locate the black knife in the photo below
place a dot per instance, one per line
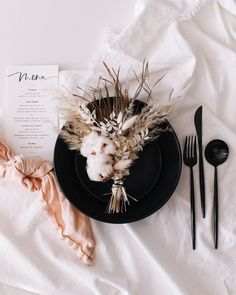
(198, 126)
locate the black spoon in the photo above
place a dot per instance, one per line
(216, 153)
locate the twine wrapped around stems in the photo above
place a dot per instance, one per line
(119, 198)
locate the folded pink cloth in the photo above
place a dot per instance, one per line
(37, 175)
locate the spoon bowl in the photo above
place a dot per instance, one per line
(216, 152)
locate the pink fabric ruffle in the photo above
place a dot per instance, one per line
(37, 175)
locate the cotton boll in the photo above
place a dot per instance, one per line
(88, 144)
(86, 149)
(104, 145)
(100, 167)
(102, 163)
(93, 174)
(98, 145)
(109, 148)
(98, 150)
(91, 138)
(122, 164)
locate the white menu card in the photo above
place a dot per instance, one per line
(31, 116)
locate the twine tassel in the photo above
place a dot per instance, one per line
(119, 198)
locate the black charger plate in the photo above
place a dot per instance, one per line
(94, 207)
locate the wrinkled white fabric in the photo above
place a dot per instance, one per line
(152, 256)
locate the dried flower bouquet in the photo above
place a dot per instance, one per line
(111, 129)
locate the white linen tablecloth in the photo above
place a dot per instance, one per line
(194, 43)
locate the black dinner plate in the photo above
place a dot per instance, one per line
(88, 202)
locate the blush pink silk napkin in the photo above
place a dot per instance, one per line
(37, 175)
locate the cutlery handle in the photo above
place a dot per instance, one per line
(192, 204)
(215, 209)
(202, 182)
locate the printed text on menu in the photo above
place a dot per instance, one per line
(31, 114)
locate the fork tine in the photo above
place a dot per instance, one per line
(189, 147)
(185, 146)
(192, 146)
(195, 147)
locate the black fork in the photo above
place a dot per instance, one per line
(190, 159)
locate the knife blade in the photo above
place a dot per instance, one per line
(198, 126)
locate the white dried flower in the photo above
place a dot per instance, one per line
(94, 144)
(88, 144)
(120, 117)
(100, 167)
(93, 174)
(128, 123)
(104, 146)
